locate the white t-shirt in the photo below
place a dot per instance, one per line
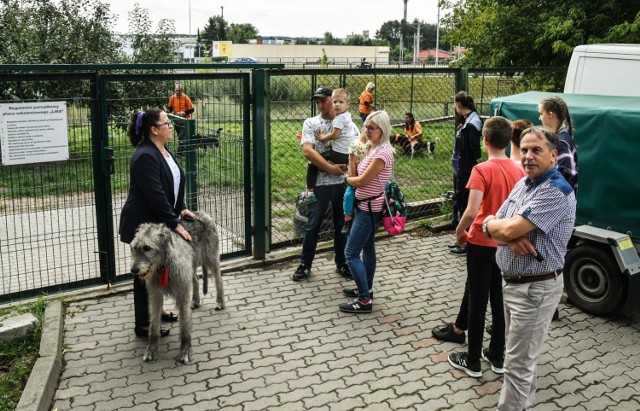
(175, 170)
(309, 136)
(349, 132)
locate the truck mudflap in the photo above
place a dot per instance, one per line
(621, 246)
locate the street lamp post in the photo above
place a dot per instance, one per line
(438, 34)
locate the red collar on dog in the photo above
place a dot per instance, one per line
(163, 281)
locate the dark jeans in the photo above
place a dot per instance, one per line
(485, 284)
(461, 199)
(325, 194)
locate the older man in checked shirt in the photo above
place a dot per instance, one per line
(532, 229)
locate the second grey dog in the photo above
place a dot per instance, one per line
(158, 250)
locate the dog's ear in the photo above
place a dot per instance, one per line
(165, 237)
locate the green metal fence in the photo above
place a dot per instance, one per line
(240, 152)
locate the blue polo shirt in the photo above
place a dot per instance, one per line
(550, 204)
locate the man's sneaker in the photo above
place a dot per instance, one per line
(446, 333)
(497, 364)
(302, 273)
(353, 292)
(460, 361)
(343, 270)
(452, 246)
(458, 251)
(356, 307)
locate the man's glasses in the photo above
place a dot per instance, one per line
(169, 123)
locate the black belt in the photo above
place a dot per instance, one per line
(522, 279)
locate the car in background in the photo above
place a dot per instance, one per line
(245, 60)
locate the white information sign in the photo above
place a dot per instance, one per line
(33, 132)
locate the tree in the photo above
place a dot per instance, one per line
(509, 33)
(62, 32)
(148, 47)
(329, 39)
(215, 30)
(242, 33)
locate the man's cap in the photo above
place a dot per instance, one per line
(322, 92)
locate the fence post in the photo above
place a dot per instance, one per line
(102, 179)
(191, 165)
(261, 163)
(462, 80)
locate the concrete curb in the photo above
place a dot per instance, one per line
(43, 380)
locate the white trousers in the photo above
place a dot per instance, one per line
(528, 309)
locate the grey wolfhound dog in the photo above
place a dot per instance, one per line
(156, 249)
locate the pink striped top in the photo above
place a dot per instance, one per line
(375, 186)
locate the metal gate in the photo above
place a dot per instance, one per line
(58, 220)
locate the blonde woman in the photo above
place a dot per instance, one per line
(374, 171)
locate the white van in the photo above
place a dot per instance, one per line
(604, 69)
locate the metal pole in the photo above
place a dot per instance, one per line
(189, 17)
(438, 35)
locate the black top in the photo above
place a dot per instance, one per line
(151, 196)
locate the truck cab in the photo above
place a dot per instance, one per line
(602, 265)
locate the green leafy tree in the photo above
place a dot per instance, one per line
(148, 46)
(328, 39)
(57, 32)
(215, 30)
(242, 33)
(509, 33)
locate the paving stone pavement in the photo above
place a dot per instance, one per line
(281, 345)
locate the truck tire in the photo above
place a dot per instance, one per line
(592, 280)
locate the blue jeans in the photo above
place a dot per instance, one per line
(325, 195)
(361, 239)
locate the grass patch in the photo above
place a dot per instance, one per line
(18, 357)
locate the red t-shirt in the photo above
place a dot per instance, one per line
(495, 178)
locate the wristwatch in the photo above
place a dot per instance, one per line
(485, 226)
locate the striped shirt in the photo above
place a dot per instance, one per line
(550, 204)
(375, 188)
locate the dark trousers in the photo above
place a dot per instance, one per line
(461, 199)
(462, 320)
(325, 195)
(140, 302)
(485, 284)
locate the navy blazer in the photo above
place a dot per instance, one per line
(151, 196)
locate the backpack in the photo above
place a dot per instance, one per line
(394, 214)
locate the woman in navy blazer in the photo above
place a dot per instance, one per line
(156, 195)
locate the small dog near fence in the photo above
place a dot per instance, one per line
(201, 141)
(426, 147)
(167, 263)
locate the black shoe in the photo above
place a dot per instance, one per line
(452, 246)
(169, 318)
(346, 227)
(497, 364)
(353, 293)
(458, 251)
(344, 271)
(556, 316)
(356, 307)
(446, 333)
(144, 332)
(489, 328)
(460, 361)
(302, 273)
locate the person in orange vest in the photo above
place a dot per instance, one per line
(180, 105)
(366, 101)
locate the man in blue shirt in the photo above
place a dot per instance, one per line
(532, 229)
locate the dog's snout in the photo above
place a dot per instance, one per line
(135, 270)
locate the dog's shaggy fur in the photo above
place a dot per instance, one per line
(155, 247)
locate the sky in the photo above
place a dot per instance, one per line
(292, 18)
